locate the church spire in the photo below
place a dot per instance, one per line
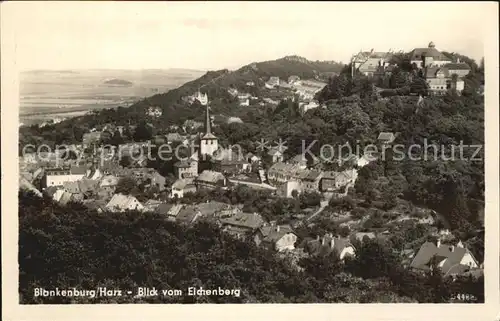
(207, 121)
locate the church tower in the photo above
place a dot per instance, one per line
(208, 142)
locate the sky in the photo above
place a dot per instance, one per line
(216, 35)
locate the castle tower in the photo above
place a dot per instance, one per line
(208, 142)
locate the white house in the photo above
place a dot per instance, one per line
(328, 244)
(311, 105)
(244, 102)
(183, 186)
(276, 154)
(233, 92)
(154, 112)
(121, 203)
(202, 98)
(276, 237)
(57, 176)
(286, 189)
(450, 259)
(428, 57)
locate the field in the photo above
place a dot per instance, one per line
(46, 94)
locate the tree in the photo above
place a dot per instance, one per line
(126, 185)
(143, 132)
(309, 199)
(116, 139)
(358, 213)
(398, 79)
(345, 231)
(377, 256)
(125, 161)
(419, 86)
(69, 154)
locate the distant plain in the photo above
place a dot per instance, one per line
(47, 94)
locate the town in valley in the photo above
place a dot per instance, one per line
(238, 203)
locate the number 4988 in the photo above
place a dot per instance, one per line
(466, 297)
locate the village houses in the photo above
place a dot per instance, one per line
(451, 259)
(154, 112)
(121, 203)
(210, 179)
(186, 168)
(386, 138)
(332, 181)
(275, 237)
(229, 161)
(182, 186)
(57, 176)
(329, 244)
(242, 224)
(272, 82)
(371, 63)
(276, 155)
(428, 57)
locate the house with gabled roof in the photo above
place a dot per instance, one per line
(121, 203)
(62, 197)
(175, 138)
(461, 69)
(210, 179)
(276, 237)
(272, 82)
(276, 155)
(310, 180)
(58, 176)
(171, 212)
(229, 161)
(188, 215)
(332, 181)
(151, 205)
(369, 63)
(109, 182)
(328, 245)
(450, 259)
(183, 186)
(91, 138)
(438, 79)
(26, 185)
(428, 57)
(242, 224)
(386, 137)
(252, 158)
(298, 159)
(287, 188)
(293, 79)
(281, 172)
(187, 168)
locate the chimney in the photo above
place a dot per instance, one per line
(332, 243)
(452, 248)
(438, 243)
(277, 228)
(323, 241)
